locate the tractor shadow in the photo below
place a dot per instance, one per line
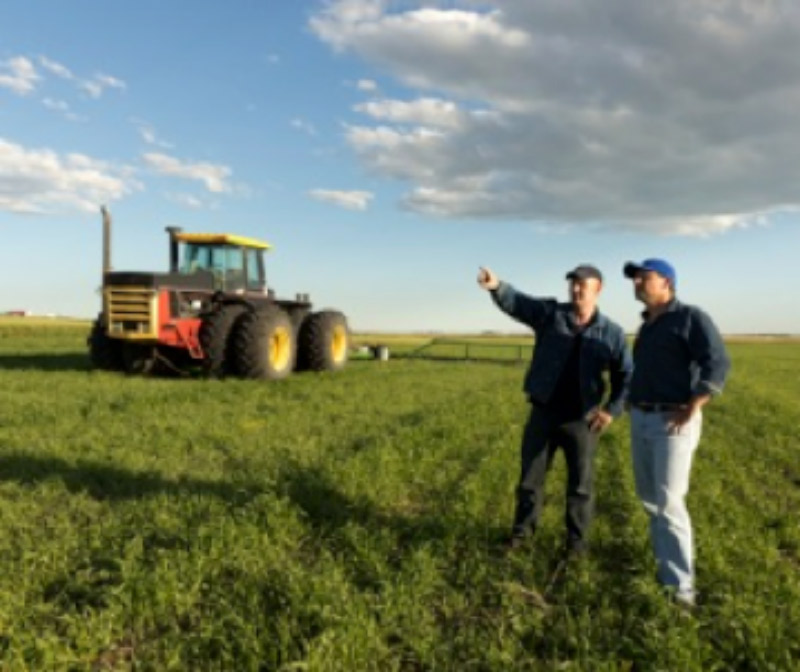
(59, 362)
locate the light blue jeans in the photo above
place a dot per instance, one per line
(662, 462)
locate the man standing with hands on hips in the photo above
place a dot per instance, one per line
(680, 364)
(575, 346)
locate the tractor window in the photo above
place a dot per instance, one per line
(255, 272)
(195, 258)
(212, 258)
(224, 261)
(234, 268)
(203, 258)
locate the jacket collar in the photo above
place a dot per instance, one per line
(596, 320)
(672, 306)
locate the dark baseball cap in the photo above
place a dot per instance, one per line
(660, 266)
(583, 272)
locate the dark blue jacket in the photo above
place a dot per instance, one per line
(604, 348)
(679, 355)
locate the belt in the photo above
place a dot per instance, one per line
(657, 407)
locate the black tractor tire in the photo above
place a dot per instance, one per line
(215, 339)
(298, 315)
(323, 341)
(138, 360)
(104, 353)
(264, 344)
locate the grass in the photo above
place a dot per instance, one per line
(349, 522)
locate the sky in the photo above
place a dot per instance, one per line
(389, 148)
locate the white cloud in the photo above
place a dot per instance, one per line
(351, 200)
(39, 181)
(675, 116)
(367, 85)
(19, 75)
(304, 126)
(188, 201)
(424, 111)
(57, 105)
(96, 86)
(64, 108)
(110, 82)
(213, 176)
(370, 27)
(148, 133)
(56, 68)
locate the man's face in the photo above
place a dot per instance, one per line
(650, 287)
(583, 292)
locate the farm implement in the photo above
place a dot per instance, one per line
(212, 310)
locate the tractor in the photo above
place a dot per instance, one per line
(212, 311)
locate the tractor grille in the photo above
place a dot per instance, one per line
(131, 312)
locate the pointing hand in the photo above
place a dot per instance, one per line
(487, 279)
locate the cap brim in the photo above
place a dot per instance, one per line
(583, 276)
(630, 269)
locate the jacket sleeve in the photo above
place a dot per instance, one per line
(620, 374)
(523, 308)
(708, 351)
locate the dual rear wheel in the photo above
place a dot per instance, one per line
(266, 344)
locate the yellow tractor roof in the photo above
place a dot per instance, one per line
(221, 239)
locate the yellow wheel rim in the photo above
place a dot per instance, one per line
(339, 343)
(280, 348)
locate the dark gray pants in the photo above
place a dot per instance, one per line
(544, 434)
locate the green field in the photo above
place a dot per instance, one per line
(349, 522)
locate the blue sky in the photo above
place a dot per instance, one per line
(388, 149)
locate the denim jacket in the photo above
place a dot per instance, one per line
(678, 356)
(604, 348)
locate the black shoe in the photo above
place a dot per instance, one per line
(513, 542)
(575, 548)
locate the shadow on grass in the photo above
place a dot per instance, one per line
(60, 362)
(325, 507)
(341, 520)
(105, 482)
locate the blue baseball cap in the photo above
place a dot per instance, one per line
(660, 266)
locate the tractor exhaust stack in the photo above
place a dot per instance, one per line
(106, 241)
(173, 247)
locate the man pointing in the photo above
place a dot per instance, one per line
(575, 346)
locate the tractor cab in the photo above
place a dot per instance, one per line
(235, 263)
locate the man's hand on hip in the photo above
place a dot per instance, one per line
(682, 416)
(599, 419)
